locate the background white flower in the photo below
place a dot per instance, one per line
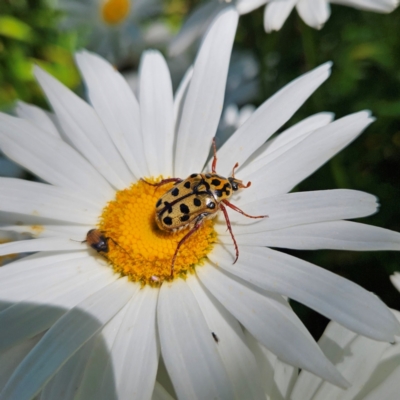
(372, 368)
(110, 25)
(313, 12)
(67, 320)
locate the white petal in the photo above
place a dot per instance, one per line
(276, 13)
(38, 117)
(300, 161)
(10, 358)
(43, 244)
(180, 96)
(98, 367)
(39, 230)
(336, 235)
(298, 208)
(355, 357)
(269, 117)
(238, 360)
(39, 312)
(194, 27)
(156, 113)
(65, 383)
(160, 393)
(395, 278)
(314, 12)
(246, 6)
(51, 159)
(271, 322)
(205, 97)
(136, 349)
(187, 346)
(71, 331)
(116, 106)
(278, 377)
(38, 199)
(287, 139)
(384, 6)
(329, 294)
(85, 131)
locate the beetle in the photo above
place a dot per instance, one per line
(195, 199)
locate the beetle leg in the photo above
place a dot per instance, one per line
(230, 205)
(196, 226)
(228, 223)
(214, 163)
(163, 182)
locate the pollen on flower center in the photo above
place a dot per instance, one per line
(115, 11)
(138, 248)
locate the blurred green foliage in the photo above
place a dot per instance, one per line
(365, 50)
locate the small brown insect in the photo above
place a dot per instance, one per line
(97, 241)
(215, 337)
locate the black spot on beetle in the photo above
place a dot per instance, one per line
(228, 192)
(218, 193)
(167, 221)
(185, 218)
(197, 202)
(193, 175)
(175, 192)
(215, 182)
(184, 209)
(168, 207)
(187, 185)
(158, 204)
(211, 205)
(208, 176)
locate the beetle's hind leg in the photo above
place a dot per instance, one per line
(228, 224)
(197, 225)
(162, 182)
(237, 209)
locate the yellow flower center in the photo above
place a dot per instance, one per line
(142, 251)
(115, 11)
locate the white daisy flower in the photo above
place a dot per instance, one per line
(111, 25)
(313, 12)
(372, 368)
(93, 325)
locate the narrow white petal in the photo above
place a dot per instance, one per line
(238, 360)
(383, 6)
(246, 6)
(335, 235)
(98, 367)
(285, 140)
(65, 383)
(355, 356)
(194, 27)
(314, 12)
(136, 349)
(188, 349)
(180, 96)
(395, 279)
(331, 295)
(38, 117)
(160, 393)
(205, 97)
(11, 358)
(83, 128)
(39, 230)
(70, 332)
(116, 106)
(269, 117)
(278, 377)
(39, 312)
(51, 159)
(43, 244)
(46, 201)
(276, 13)
(287, 170)
(268, 318)
(156, 113)
(298, 208)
